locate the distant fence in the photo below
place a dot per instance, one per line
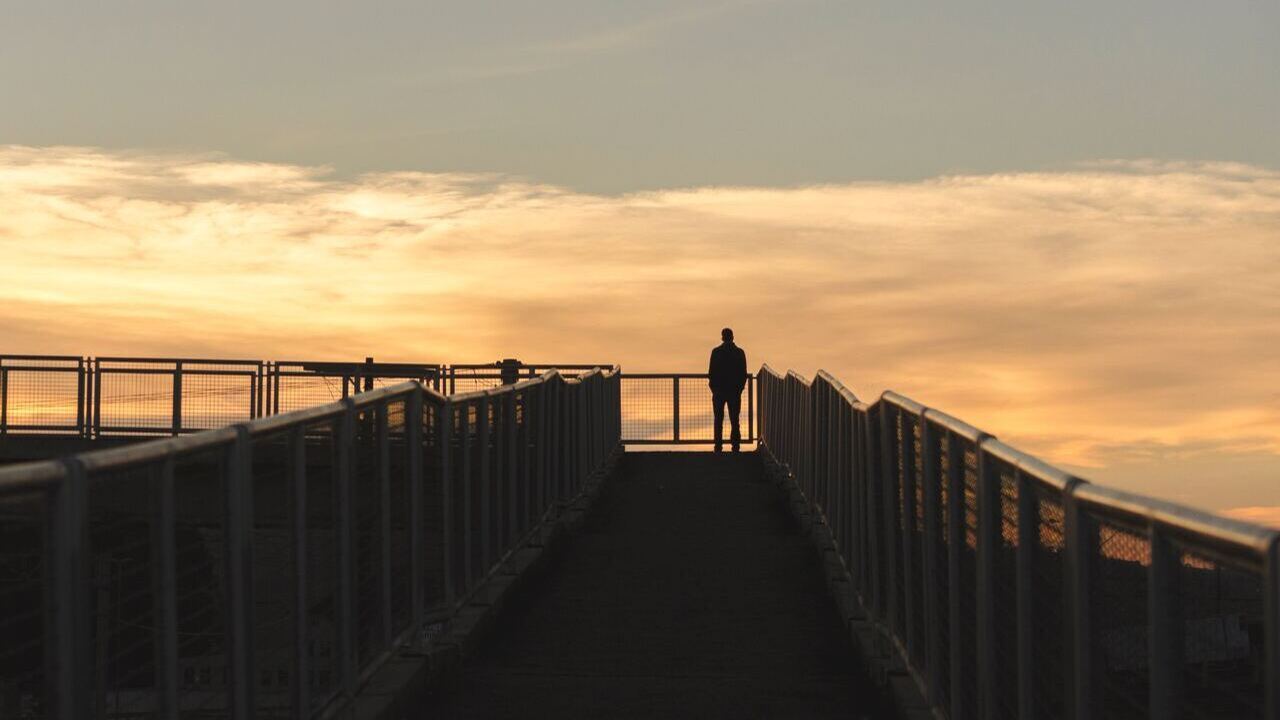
(95, 397)
(267, 569)
(1011, 589)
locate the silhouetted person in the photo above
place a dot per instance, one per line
(728, 372)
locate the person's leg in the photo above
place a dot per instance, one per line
(735, 406)
(717, 405)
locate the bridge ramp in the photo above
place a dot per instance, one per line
(688, 593)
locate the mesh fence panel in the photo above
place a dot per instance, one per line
(646, 408)
(1119, 610)
(134, 398)
(23, 574)
(1223, 661)
(214, 396)
(39, 395)
(300, 391)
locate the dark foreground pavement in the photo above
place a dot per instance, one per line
(688, 594)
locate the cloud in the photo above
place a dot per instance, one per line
(1117, 315)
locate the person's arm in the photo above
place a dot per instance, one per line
(742, 373)
(711, 371)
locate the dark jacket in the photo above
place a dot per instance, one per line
(728, 369)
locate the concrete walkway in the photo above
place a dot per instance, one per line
(688, 594)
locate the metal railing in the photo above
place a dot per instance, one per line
(1011, 589)
(149, 397)
(267, 569)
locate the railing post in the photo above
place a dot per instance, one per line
(955, 546)
(342, 497)
(675, 409)
(67, 671)
(911, 574)
(1081, 546)
(751, 409)
(383, 439)
(1165, 629)
(166, 605)
(97, 398)
(1271, 630)
(239, 558)
(81, 398)
(484, 435)
(929, 556)
(989, 543)
(4, 400)
(413, 415)
(464, 448)
(1025, 558)
(444, 443)
(889, 475)
(513, 466)
(177, 398)
(301, 685)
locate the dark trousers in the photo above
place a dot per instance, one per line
(734, 401)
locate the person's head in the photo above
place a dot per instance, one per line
(726, 334)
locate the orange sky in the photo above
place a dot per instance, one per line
(1121, 319)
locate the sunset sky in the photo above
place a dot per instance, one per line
(1061, 224)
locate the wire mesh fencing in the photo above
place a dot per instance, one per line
(1010, 589)
(268, 569)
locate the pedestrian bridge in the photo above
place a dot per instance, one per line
(481, 541)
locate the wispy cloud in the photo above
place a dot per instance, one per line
(621, 37)
(1121, 317)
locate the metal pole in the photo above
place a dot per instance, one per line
(301, 609)
(675, 409)
(239, 561)
(384, 495)
(467, 493)
(1028, 539)
(97, 398)
(177, 398)
(81, 406)
(1271, 630)
(515, 466)
(1166, 628)
(417, 559)
(4, 401)
(930, 551)
(166, 605)
(956, 544)
(445, 416)
(484, 435)
(68, 674)
(1081, 545)
(911, 574)
(889, 474)
(989, 545)
(751, 409)
(342, 497)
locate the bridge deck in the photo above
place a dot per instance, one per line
(688, 594)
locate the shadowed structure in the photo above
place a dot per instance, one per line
(690, 594)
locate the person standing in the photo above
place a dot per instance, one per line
(728, 375)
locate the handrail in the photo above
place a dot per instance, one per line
(1037, 563)
(402, 499)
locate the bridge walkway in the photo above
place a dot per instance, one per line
(689, 593)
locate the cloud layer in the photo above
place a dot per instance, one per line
(1122, 317)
